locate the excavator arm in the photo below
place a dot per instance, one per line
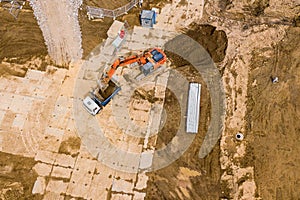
(120, 62)
(155, 57)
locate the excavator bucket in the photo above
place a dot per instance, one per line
(102, 84)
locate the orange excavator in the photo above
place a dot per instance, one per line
(148, 62)
(101, 96)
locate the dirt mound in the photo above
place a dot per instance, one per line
(273, 119)
(16, 177)
(6, 70)
(214, 41)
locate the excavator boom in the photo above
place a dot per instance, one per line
(148, 61)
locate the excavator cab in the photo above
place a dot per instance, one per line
(157, 57)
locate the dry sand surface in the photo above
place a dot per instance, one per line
(58, 21)
(250, 42)
(273, 119)
(260, 46)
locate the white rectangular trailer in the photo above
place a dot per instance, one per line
(193, 109)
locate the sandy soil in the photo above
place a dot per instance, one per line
(260, 45)
(59, 23)
(273, 119)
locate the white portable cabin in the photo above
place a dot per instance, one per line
(193, 109)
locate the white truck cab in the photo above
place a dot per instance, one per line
(91, 106)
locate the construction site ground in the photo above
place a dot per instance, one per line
(41, 150)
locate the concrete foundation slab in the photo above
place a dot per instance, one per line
(39, 186)
(45, 157)
(44, 142)
(34, 75)
(19, 121)
(57, 186)
(2, 114)
(21, 104)
(139, 196)
(141, 183)
(78, 189)
(6, 100)
(83, 170)
(121, 185)
(61, 172)
(121, 197)
(65, 160)
(146, 159)
(53, 195)
(43, 169)
(58, 133)
(97, 192)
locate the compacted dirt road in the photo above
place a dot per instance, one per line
(59, 23)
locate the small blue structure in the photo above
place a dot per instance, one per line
(148, 18)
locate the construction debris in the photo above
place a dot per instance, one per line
(239, 136)
(13, 6)
(275, 79)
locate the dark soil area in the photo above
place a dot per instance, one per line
(93, 32)
(214, 41)
(17, 177)
(20, 38)
(70, 146)
(172, 124)
(163, 183)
